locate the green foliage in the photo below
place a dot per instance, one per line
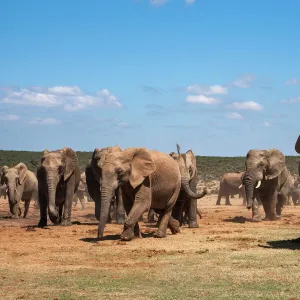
(209, 167)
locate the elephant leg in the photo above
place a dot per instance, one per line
(111, 212)
(192, 205)
(97, 209)
(271, 206)
(227, 200)
(43, 209)
(174, 225)
(75, 200)
(120, 216)
(66, 218)
(82, 202)
(280, 203)
(219, 199)
(131, 227)
(60, 211)
(16, 211)
(151, 216)
(255, 211)
(27, 203)
(177, 210)
(128, 232)
(199, 213)
(162, 228)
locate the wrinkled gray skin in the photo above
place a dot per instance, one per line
(58, 178)
(287, 189)
(148, 179)
(22, 185)
(3, 191)
(93, 173)
(267, 167)
(230, 185)
(187, 199)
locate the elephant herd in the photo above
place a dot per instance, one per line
(137, 180)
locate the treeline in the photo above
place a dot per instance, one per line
(209, 167)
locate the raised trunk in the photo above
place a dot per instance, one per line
(106, 196)
(53, 213)
(186, 187)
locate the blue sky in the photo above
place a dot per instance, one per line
(217, 77)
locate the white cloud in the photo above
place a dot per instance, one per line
(46, 121)
(70, 97)
(65, 90)
(123, 124)
(190, 1)
(245, 81)
(10, 118)
(202, 99)
(247, 105)
(207, 90)
(234, 116)
(291, 100)
(267, 124)
(292, 81)
(158, 2)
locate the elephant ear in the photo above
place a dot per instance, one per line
(191, 163)
(276, 163)
(22, 170)
(70, 159)
(2, 172)
(92, 184)
(297, 145)
(174, 155)
(142, 166)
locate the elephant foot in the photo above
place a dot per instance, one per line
(66, 222)
(120, 219)
(128, 234)
(42, 223)
(218, 203)
(160, 234)
(228, 204)
(15, 217)
(256, 218)
(174, 226)
(193, 224)
(271, 218)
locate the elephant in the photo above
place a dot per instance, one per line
(81, 192)
(22, 185)
(93, 173)
(230, 184)
(148, 179)
(3, 191)
(296, 196)
(287, 189)
(187, 199)
(265, 178)
(58, 178)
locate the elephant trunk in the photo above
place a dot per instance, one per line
(249, 181)
(11, 194)
(186, 187)
(106, 196)
(53, 213)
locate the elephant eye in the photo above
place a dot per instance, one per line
(60, 169)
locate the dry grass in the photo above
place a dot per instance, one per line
(228, 257)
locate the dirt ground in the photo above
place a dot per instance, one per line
(227, 257)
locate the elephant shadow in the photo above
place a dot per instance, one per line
(111, 237)
(238, 219)
(293, 244)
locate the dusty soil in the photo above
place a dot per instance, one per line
(227, 257)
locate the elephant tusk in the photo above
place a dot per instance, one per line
(240, 185)
(258, 184)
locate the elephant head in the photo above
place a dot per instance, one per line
(131, 166)
(261, 165)
(57, 167)
(14, 179)
(188, 170)
(98, 158)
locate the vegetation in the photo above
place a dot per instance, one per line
(209, 167)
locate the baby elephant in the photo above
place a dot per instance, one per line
(22, 185)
